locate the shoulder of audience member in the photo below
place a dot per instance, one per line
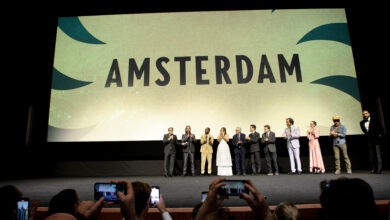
(61, 216)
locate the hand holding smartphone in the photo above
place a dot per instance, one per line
(233, 188)
(154, 196)
(22, 209)
(108, 191)
(203, 196)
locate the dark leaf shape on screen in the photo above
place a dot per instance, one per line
(345, 84)
(73, 27)
(62, 82)
(334, 32)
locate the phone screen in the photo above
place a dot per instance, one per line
(154, 196)
(22, 211)
(233, 188)
(108, 191)
(203, 196)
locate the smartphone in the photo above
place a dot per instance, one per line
(108, 191)
(22, 211)
(154, 196)
(233, 188)
(203, 196)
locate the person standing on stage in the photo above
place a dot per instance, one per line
(254, 149)
(188, 143)
(373, 134)
(206, 151)
(169, 142)
(315, 156)
(291, 134)
(239, 144)
(338, 132)
(268, 139)
(224, 159)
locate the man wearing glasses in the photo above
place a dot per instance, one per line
(338, 132)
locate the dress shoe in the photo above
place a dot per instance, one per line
(299, 172)
(292, 173)
(166, 175)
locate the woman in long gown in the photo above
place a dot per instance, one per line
(315, 156)
(224, 159)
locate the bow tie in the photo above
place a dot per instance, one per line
(365, 120)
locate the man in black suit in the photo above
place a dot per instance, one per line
(239, 143)
(188, 143)
(373, 134)
(169, 142)
(268, 139)
(254, 149)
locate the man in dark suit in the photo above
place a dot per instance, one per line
(239, 143)
(268, 139)
(373, 134)
(169, 142)
(254, 149)
(188, 143)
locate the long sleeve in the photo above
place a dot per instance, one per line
(166, 216)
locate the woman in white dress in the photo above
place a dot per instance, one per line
(224, 160)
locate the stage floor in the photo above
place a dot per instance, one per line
(186, 191)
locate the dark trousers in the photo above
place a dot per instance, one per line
(271, 160)
(239, 158)
(375, 155)
(185, 160)
(255, 160)
(169, 163)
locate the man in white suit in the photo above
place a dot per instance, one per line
(292, 134)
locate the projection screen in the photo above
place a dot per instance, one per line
(128, 77)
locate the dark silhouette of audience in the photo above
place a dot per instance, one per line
(342, 198)
(347, 198)
(10, 196)
(286, 211)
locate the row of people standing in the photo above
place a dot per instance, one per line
(240, 143)
(251, 143)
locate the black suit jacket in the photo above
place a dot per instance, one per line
(235, 140)
(253, 142)
(169, 145)
(189, 143)
(374, 132)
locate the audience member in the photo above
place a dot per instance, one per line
(286, 211)
(67, 201)
(10, 195)
(347, 198)
(142, 198)
(195, 210)
(212, 205)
